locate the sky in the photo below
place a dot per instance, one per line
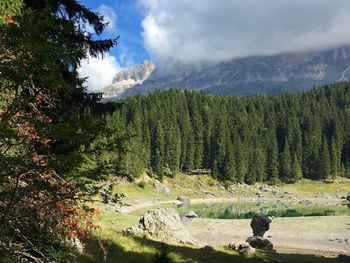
(211, 31)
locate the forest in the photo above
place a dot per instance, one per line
(241, 139)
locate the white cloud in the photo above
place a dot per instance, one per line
(109, 16)
(100, 71)
(207, 30)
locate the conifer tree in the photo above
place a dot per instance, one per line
(324, 161)
(335, 160)
(297, 173)
(286, 163)
(45, 119)
(272, 169)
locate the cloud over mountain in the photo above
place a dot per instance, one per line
(220, 30)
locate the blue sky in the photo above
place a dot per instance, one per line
(127, 26)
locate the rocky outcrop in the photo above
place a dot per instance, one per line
(161, 187)
(260, 224)
(163, 224)
(129, 77)
(252, 75)
(260, 243)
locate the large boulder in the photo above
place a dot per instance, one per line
(161, 187)
(260, 243)
(164, 224)
(260, 224)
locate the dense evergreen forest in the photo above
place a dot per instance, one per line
(243, 139)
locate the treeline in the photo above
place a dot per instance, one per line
(243, 139)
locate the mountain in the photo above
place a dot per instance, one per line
(128, 78)
(298, 71)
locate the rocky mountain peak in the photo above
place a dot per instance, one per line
(128, 78)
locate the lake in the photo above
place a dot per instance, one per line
(246, 210)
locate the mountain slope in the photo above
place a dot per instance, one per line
(254, 75)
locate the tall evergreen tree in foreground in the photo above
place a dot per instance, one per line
(44, 119)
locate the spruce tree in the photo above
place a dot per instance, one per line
(45, 122)
(324, 161)
(335, 160)
(297, 173)
(272, 169)
(286, 163)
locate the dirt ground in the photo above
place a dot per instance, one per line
(320, 235)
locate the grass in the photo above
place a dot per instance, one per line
(116, 248)
(305, 186)
(123, 249)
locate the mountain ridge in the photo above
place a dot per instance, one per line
(295, 71)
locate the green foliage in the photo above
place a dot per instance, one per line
(9, 8)
(47, 120)
(244, 139)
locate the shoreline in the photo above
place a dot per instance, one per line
(139, 204)
(293, 235)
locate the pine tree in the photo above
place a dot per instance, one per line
(324, 161)
(241, 161)
(272, 160)
(286, 163)
(45, 122)
(335, 160)
(297, 173)
(256, 167)
(157, 150)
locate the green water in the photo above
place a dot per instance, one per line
(249, 209)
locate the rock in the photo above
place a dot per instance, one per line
(161, 187)
(260, 243)
(231, 188)
(210, 195)
(191, 214)
(163, 224)
(264, 188)
(260, 224)
(184, 199)
(222, 188)
(248, 251)
(242, 247)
